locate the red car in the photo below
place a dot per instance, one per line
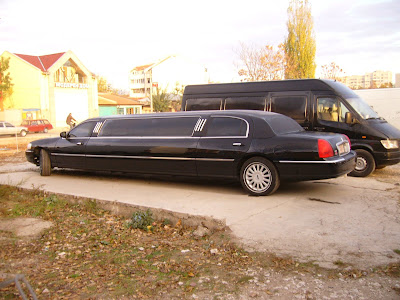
(41, 125)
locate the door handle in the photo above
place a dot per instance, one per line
(79, 143)
(237, 144)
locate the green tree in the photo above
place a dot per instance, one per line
(161, 100)
(5, 81)
(300, 46)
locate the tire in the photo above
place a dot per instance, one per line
(44, 163)
(23, 133)
(365, 164)
(259, 177)
(45, 130)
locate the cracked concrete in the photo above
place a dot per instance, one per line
(354, 220)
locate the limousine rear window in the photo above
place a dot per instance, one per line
(203, 104)
(160, 127)
(283, 125)
(227, 126)
(253, 103)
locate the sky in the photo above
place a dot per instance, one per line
(112, 37)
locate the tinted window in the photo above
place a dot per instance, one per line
(203, 104)
(282, 124)
(150, 127)
(82, 130)
(331, 109)
(254, 103)
(291, 106)
(226, 126)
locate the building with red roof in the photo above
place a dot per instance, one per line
(50, 87)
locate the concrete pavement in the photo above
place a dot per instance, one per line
(351, 220)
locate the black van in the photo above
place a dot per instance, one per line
(317, 105)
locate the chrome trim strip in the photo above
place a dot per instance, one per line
(68, 154)
(340, 159)
(146, 157)
(144, 137)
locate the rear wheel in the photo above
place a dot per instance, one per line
(45, 163)
(365, 164)
(259, 177)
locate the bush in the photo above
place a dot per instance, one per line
(141, 220)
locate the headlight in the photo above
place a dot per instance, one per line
(390, 144)
(29, 147)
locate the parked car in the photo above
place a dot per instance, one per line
(258, 148)
(7, 128)
(40, 125)
(317, 105)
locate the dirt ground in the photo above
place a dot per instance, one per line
(251, 275)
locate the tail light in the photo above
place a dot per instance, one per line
(348, 140)
(324, 149)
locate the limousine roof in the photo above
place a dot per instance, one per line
(202, 113)
(266, 86)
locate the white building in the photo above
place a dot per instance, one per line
(167, 74)
(370, 80)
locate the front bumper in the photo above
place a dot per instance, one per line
(387, 158)
(313, 170)
(31, 157)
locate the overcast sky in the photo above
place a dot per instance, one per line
(112, 37)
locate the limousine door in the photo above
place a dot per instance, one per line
(70, 152)
(223, 144)
(158, 145)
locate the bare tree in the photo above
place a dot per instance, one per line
(260, 63)
(332, 71)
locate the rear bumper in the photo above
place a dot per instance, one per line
(313, 170)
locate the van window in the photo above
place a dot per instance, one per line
(204, 104)
(227, 126)
(254, 103)
(331, 109)
(156, 127)
(291, 106)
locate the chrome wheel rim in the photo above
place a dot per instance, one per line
(257, 177)
(361, 163)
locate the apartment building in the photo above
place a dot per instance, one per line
(370, 80)
(167, 74)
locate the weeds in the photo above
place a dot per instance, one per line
(141, 220)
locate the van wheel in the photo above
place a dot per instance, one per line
(259, 177)
(44, 163)
(365, 164)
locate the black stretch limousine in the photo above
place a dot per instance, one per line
(259, 148)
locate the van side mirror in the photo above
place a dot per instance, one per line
(348, 119)
(63, 134)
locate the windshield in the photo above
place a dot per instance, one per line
(363, 109)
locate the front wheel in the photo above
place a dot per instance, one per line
(259, 177)
(22, 133)
(365, 164)
(44, 163)
(46, 130)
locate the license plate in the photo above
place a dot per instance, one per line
(343, 148)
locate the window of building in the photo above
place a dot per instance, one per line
(227, 126)
(71, 73)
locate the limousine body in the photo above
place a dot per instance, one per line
(258, 148)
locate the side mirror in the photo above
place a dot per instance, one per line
(63, 134)
(348, 119)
